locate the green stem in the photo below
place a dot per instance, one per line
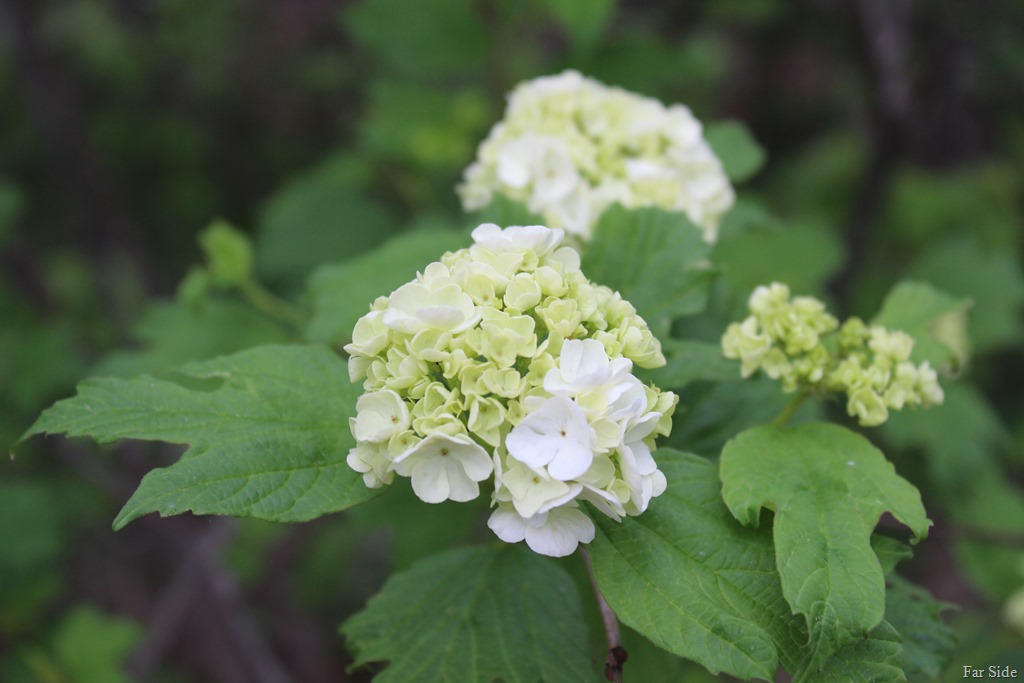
(272, 305)
(791, 407)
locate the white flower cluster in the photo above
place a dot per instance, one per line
(503, 359)
(570, 146)
(784, 339)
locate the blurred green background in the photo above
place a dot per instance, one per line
(894, 141)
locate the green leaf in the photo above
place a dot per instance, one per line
(991, 279)
(755, 250)
(889, 551)
(434, 128)
(342, 293)
(90, 646)
(172, 333)
(422, 38)
(318, 217)
(828, 487)
(740, 153)
(691, 361)
(692, 580)
(654, 258)
(927, 641)
(987, 510)
(583, 20)
(875, 657)
(689, 578)
(924, 312)
(495, 613)
(267, 429)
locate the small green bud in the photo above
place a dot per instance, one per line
(229, 255)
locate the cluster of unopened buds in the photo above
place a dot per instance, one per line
(569, 147)
(796, 341)
(501, 364)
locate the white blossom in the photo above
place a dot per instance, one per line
(557, 435)
(568, 147)
(503, 360)
(445, 467)
(555, 533)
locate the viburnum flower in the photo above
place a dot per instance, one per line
(502, 363)
(569, 147)
(783, 337)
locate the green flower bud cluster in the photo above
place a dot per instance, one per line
(503, 359)
(796, 341)
(569, 147)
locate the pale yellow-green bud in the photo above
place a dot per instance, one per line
(928, 390)
(784, 339)
(561, 316)
(768, 300)
(744, 342)
(867, 406)
(523, 292)
(896, 346)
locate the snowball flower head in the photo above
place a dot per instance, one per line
(784, 338)
(502, 365)
(569, 147)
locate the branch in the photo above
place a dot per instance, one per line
(617, 654)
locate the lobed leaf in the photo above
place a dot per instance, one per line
(927, 641)
(992, 279)
(269, 440)
(657, 260)
(934, 318)
(876, 657)
(692, 580)
(483, 614)
(828, 487)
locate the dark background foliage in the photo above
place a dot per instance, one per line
(894, 138)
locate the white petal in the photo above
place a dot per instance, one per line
(604, 502)
(474, 461)
(461, 488)
(573, 458)
(564, 530)
(507, 525)
(430, 481)
(555, 434)
(379, 416)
